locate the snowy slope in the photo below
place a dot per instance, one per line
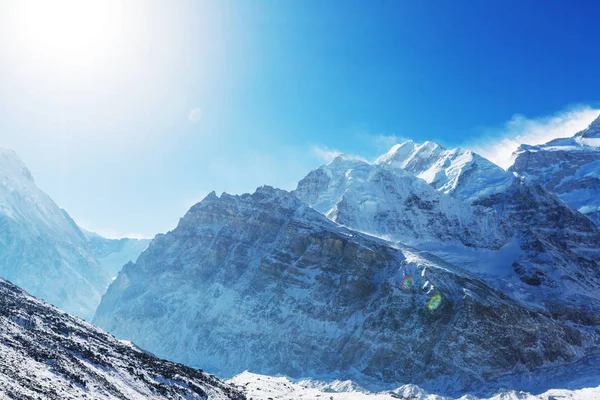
(460, 172)
(112, 254)
(41, 249)
(47, 354)
(266, 283)
(386, 201)
(261, 387)
(569, 167)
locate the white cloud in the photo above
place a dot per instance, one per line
(324, 153)
(386, 142)
(498, 144)
(195, 115)
(113, 234)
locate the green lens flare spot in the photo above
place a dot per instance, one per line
(434, 302)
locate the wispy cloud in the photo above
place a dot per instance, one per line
(385, 142)
(113, 234)
(324, 153)
(498, 144)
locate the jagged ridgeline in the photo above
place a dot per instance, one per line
(569, 167)
(47, 354)
(265, 282)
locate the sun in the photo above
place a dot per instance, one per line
(66, 32)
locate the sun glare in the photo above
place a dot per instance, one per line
(77, 32)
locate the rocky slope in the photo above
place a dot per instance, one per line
(41, 249)
(47, 354)
(266, 283)
(569, 167)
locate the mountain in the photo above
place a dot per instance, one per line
(265, 282)
(47, 354)
(389, 202)
(460, 172)
(512, 233)
(41, 248)
(112, 254)
(568, 167)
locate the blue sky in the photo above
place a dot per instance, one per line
(279, 87)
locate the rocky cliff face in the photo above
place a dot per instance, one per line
(41, 249)
(568, 167)
(47, 354)
(266, 283)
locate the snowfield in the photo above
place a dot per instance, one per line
(262, 387)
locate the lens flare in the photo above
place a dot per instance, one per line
(434, 302)
(407, 283)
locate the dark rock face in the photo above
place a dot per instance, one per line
(263, 282)
(568, 167)
(560, 246)
(47, 354)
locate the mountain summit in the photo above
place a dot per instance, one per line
(568, 167)
(41, 248)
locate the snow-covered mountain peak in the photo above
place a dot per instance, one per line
(459, 172)
(399, 151)
(410, 155)
(569, 167)
(41, 248)
(592, 131)
(11, 166)
(387, 201)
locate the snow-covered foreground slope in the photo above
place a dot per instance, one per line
(569, 167)
(47, 354)
(262, 387)
(41, 249)
(266, 283)
(112, 254)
